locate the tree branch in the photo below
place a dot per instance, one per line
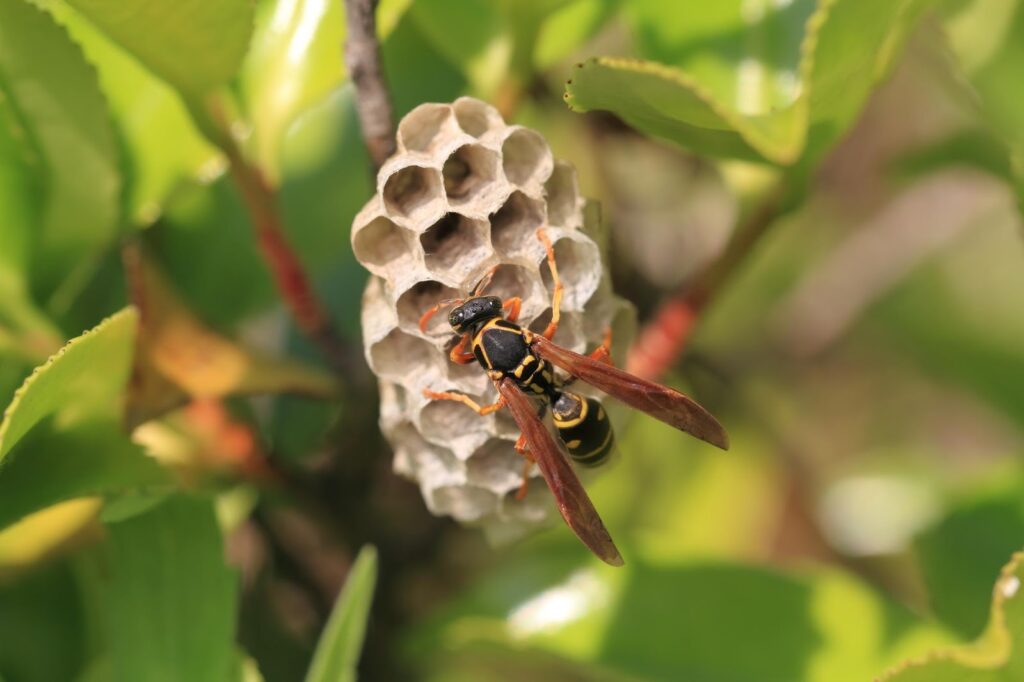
(373, 102)
(289, 275)
(663, 338)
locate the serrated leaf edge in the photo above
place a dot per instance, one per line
(784, 155)
(26, 385)
(992, 649)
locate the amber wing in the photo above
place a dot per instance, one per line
(573, 502)
(661, 402)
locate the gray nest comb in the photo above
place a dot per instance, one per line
(465, 193)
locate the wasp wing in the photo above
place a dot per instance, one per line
(661, 402)
(573, 502)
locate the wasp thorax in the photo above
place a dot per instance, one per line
(463, 197)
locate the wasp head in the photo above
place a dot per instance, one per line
(473, 312)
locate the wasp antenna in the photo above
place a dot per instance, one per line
(425, 318)
(485, 281)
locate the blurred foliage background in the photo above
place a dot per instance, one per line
(185, 488)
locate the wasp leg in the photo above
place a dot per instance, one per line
(459, 354)
(513, 306)
(603, 353)
(425, 317)
(521, 448)
(556, 298)
(481, 410)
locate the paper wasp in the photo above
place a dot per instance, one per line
(521, 365)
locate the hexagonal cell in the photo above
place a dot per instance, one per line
(496, 466)
(579, 268)
(392, 405)
(436, 467)
(470, 378)
(526, 158)
(475, 117)
(413, 192)
(382, 245)
(453, 424)
(399, 356)
(569, 333)
(514, 226)
(464, 503)
(408, 446)
(515, 280)
(562, 193)
(470, 175)
(537, 507)
(455, 243)
(423, 128)
(420, 298)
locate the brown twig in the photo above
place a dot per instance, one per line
(289, 275)
(373, 102)
(663, 338)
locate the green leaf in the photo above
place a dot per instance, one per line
(41, 627)
(170, 601)
(701, 620)
(337, 653)
(569, 27)
(195, 45)
(61, 436)
(81, 383)
(295, 61)
(988, 37)
(54, 108)
(996, 656)
(484, 45)
(747, 80)
(161, 144)
(961, 555)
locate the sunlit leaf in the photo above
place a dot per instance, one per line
(296, 59)
(194, 45)
(754, 81)
(169, 598)
(58, 118)
(337, 653)
(162, 146)
(79, 384)
(61, 436)
(996, 656)
(569, 27)
(715, 620)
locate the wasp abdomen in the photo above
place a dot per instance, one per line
(583, 427)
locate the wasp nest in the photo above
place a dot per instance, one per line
(463, 194)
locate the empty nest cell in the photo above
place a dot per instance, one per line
(515, 280)
(453, 424)
(496, 466)
(476, 118)
(425, 127)
(526, 158)
(454, 242)
(419, 299)
(469, 173)
(464, 503)
(411, 192)
(562, 195)
(399, 356)
(579, 268)
(382, 245)
(514, 226)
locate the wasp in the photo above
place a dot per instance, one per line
(521, 365)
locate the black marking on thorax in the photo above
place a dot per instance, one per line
(500, 345)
